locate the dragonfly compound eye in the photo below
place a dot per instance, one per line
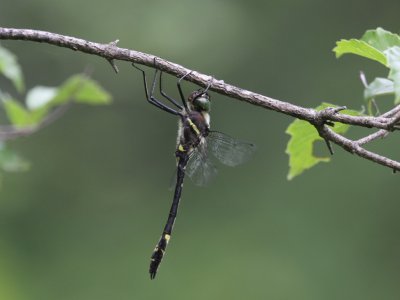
(200, 100)
(202, 103)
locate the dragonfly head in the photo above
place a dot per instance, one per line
(200, 101)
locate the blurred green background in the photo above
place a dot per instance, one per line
(82, 223)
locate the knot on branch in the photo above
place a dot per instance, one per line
(109, 47)
(323, 117)
(393, 123)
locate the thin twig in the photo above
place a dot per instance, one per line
(395, 112)
(9, 132)
(374, 136)
(354, 148)
(391, 112)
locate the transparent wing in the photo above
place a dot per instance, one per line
(200, 168)
(229, 151)
(226, 149)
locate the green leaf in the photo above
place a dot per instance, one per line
(20, 116)
(12, 162)
(372, 45)
(10, 68)
(82, 89)
(92, 93)
(39, 102)
(17, 113)
(379, 87)
(40, 96)
(361, 48)
(67, 90)
(300, 147)
(381, 39)
(41, 99)
(393, 58)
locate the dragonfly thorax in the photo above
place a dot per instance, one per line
(193, 128)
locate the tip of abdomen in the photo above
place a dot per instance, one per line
(158, 255)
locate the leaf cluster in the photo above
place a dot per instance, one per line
(378, 45)
(40, 105)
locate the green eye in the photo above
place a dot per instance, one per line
(206, 106)
(203, 103)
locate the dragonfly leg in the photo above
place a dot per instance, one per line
(180, 89)
(208, 85)
(170, 99)
(150, 97)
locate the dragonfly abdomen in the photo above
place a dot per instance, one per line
(162, 244)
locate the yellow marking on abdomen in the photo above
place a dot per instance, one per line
(180, 148)
(167, 237)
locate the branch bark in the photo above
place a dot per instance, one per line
(320, 119)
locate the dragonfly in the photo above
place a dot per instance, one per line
(195, 142)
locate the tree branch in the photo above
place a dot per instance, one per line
(374, 136)
(355, 148)
(386, 122)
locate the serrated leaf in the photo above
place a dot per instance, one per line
(10, 68)
(300, 147)
(378, 87)
(381, 39)
(393, 58)
(361, 48)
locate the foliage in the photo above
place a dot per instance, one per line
(10, 68)
(382, 46)
(378, 45)
(40, 105)
(300, 147)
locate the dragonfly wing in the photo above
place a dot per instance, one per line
(200, 169)
(229, 151)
